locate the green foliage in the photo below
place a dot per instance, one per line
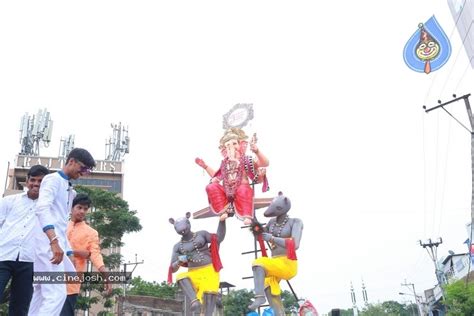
(112, 260)
(289, 302)
(389, 308)
(346, 312)
(83, 303)
(108, 303)
(117, 291)
(112, 219)
(161, 290)
(413, 307)
(236, 302)
(374, 310)
(459, 298)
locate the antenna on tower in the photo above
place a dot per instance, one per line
(364, 294)
(35, 130)
(118, 144)
(66, 145)
(354, 302)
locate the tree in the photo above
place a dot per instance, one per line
(413, 307)
(389, 308)
(236, 302)
(346, 312)
(161, 290)
(112, 219)
(289, 302)
(374, 310)
(459, 298)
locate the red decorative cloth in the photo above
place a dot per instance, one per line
(290, 248)
(170, 275)
(216, 260)
(262, 245)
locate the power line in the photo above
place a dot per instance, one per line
(450, 38)
(455, 60)
(135, 264)
(465, 98)
(417, 297)
(464, 73)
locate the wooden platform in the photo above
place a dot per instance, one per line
(258, 203)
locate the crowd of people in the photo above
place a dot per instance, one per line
(43, 231)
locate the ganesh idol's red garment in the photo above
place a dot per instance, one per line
(231, 173)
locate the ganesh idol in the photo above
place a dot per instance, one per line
(229, 191)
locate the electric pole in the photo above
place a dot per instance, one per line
(433, 253)
(465, 98)
(125, 272)
(417, 298)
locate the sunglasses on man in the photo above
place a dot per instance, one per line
(84, 168)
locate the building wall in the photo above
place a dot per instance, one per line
(463, 15)
(133, 305)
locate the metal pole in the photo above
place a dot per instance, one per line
(418, 303)
(6, 179)
(471, 120)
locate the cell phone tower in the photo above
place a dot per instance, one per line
(35, 130)
(354, 301)
(118, 144)
(364, 294)
(66, 145)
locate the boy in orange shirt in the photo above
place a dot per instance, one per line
(84, 242)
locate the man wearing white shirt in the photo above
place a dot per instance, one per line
(17, 247)
(53, 209)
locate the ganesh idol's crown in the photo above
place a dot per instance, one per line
(233, 133)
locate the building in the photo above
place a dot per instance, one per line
(463, 15)
(454, 267)
(107, 175)
(133, 305)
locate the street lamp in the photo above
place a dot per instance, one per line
(417, 296)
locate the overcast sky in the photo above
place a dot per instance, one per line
(337, 112)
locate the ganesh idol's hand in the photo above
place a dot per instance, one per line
(267, 236)
(200, 163)
(254, 148)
